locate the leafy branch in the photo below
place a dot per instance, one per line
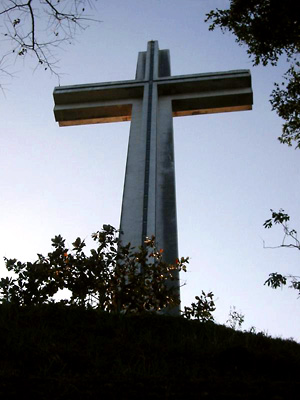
(281, 218)
(276, 279)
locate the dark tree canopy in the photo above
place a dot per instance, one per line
(285, 101)
(269, 29)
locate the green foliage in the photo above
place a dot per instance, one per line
(276, 280)
(277, 218)
(269, 29)
(202, 309)
(114, 277)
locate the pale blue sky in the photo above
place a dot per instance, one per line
(230, 168)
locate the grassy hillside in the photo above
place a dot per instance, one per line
(58, 352)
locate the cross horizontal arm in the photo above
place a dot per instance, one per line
(208, 93)
(95, 103)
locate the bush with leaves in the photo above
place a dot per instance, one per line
(114, 277)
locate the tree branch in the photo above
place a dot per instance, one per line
(38, 27)
(32, 24)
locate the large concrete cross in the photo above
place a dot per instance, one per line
(150, 102)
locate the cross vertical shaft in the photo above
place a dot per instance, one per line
(149, 206)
